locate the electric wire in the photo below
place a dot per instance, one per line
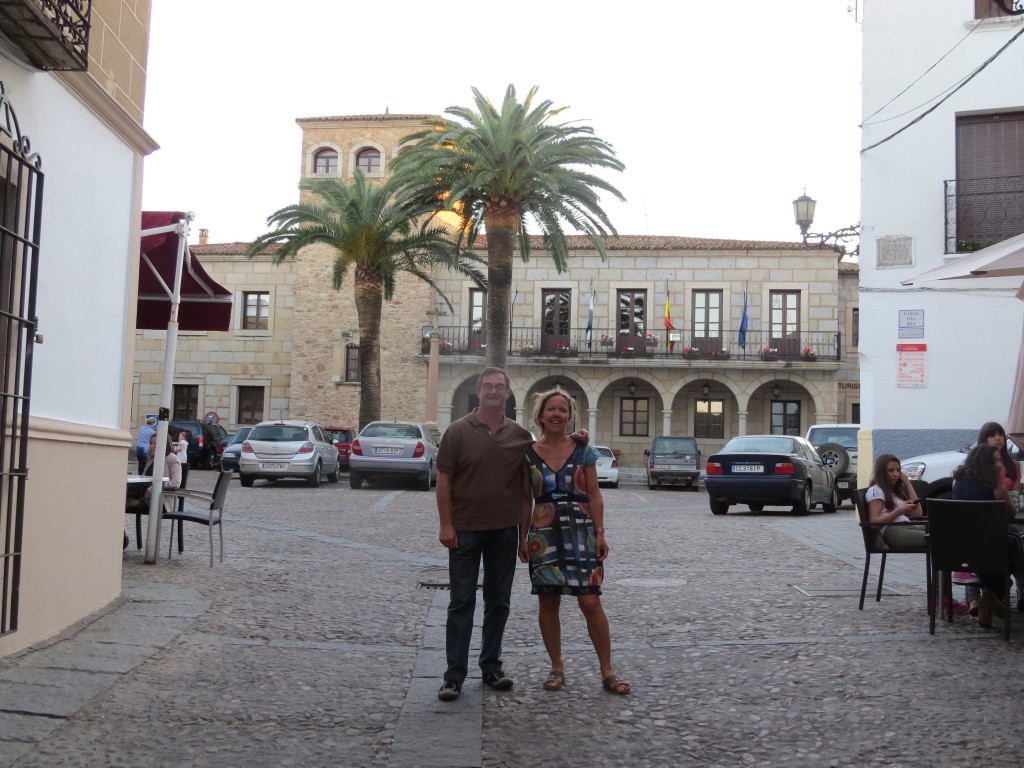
(933, 66)
(927, 112)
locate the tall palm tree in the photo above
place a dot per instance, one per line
(375, 239)
(499, 169)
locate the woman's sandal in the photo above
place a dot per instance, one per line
(555, 681)
(615, 684)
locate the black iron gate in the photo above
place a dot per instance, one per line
(21, 201)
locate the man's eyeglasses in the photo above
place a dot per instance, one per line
(493, 387)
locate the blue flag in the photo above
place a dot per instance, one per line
(743, 324)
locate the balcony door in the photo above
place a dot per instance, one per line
(707, 321)
(989, 179)
(632, 316)
(784, 323)
(477, 321)
(556, 319)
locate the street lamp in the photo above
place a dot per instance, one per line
(632, 388)
(803, 212)
(705, 389)
(776, 392)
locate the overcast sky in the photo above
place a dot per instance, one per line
(722, 112)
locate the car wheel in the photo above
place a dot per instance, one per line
(755, 507)
(615, 484)
(718, 507)
(832, 504)
(245, 480)
(652, 483)
(803, 506)
(354, 480)
(210, 462)
(424, 482)
(333, 477)
(313, 481)
(835, 457)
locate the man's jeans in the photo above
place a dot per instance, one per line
(499, 549)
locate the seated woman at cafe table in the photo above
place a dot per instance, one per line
(982, 478)
(891, 499)
(172, 471)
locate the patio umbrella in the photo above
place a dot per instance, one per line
(174, 292)
(1005, 259)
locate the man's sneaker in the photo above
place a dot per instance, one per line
(449, 691)
(498, 681)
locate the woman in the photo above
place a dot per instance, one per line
(891, 499)
(982, 478)
(172, 470)
(993, 434)
(562, 535)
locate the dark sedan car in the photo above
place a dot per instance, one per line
(769, 470)
(229, 458)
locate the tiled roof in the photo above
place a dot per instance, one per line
(621, 243)
(352, 118)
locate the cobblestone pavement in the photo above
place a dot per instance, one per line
(319, 642)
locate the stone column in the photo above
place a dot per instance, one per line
(742, 415)
(444, 416)
(666, 422)
(592, 423)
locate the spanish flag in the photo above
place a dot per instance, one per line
(668, 324)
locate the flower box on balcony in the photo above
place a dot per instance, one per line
(606, 342)
(691, 354)
(720, 355)
(810, 358)
(769, 355)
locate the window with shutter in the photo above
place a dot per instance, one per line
(989, 178)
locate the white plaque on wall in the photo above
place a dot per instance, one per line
(894, 251)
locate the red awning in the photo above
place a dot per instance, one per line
(205, 305)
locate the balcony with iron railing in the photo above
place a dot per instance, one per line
(662, 346)
(981, 212)
(52, 34)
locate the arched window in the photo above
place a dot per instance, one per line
(325, 161)
(368, 161)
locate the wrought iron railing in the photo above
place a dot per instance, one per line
(680, 344)
(53, 34)
(980, 212)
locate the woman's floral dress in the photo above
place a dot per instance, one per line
(562, 541)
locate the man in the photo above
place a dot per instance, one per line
(478, 500)
(146, 431)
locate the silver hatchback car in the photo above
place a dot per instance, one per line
(289, 448)
(394, 449)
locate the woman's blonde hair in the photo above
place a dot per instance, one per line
(542, 400)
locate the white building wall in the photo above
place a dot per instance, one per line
(84, 269)
(972, 328)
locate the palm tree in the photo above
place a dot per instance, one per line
(375, 239)
(499, 169)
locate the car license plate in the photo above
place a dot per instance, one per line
(387, 451)
(271, 467)
(844, 484)
(748, 467)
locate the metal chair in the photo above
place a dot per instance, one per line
(967, 536)
(873, 545)
(210, 514)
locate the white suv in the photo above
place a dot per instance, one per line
(837, 446)
(936, 469)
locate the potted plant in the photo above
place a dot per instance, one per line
(810, 354)
(606, 340)
(720, 354)
(562, 349)
(691, 353)
(770, 353)
(444, 347)
(651, 340)
(526, 350)
(481, 348)
(627, 352)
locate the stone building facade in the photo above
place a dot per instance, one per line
(798, 297)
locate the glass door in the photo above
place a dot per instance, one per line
(554, 331)
(631, 322)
